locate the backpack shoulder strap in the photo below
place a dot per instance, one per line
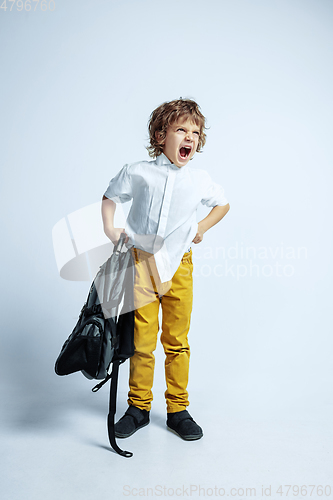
(112, 411)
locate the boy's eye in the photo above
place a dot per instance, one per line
(183, 130)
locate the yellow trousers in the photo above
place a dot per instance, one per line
(175, 298)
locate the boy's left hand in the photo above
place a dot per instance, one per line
(215, 215)
(199, 236)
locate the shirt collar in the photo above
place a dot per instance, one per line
(164, 160)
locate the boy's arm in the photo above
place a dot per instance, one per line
(215, 215)
(108, 210)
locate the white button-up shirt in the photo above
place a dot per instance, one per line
(162, 218)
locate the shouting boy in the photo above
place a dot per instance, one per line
(160, 227)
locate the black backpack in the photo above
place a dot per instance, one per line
(103, 338)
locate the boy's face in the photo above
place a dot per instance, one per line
(181, 141)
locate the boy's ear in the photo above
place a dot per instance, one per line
(158, 137)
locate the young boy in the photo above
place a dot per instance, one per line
(161, 226)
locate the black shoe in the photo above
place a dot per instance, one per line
(183, 424)
(131, 421)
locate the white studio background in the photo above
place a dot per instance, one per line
(78, 84)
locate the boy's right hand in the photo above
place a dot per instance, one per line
(114, 234)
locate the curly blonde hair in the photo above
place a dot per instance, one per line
(168, 113)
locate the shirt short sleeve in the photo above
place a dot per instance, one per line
(120, 189)
(213, 193)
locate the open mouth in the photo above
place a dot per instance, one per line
(185, 152)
